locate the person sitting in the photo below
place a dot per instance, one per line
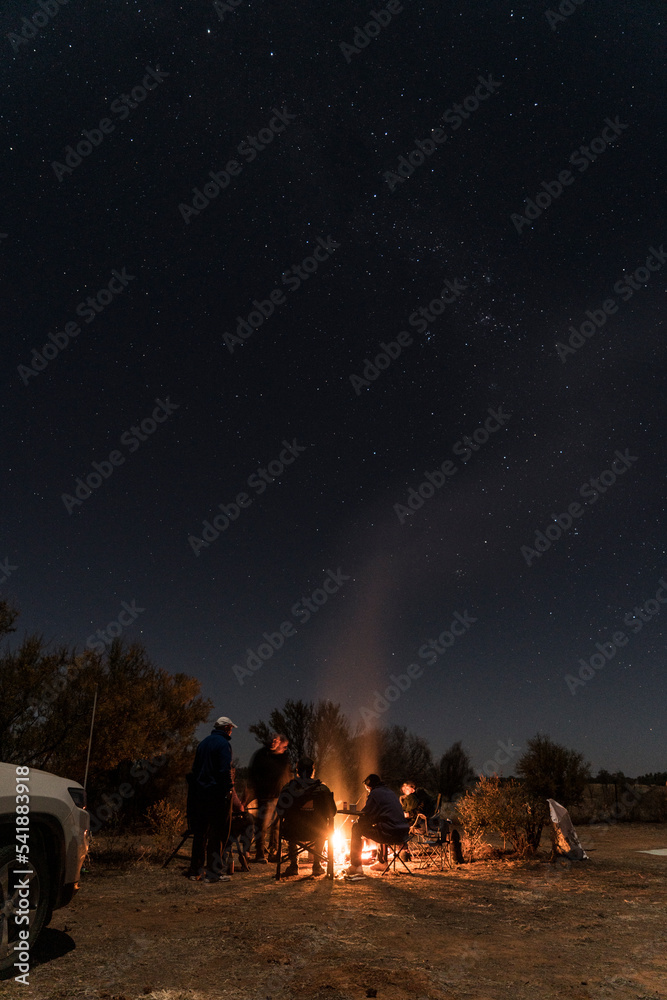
(418, 806)
(306, 807)
(381, 820)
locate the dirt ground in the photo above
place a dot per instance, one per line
(491, 929)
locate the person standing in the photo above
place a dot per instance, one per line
(268, 772)
(210, 803)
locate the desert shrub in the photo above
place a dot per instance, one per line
(473, 818)
(165, 822)
(504, 807)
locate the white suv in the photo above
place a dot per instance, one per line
(41, 848)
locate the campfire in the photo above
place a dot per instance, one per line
(341, 848)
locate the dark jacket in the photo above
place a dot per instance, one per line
(384, 810)
(418, 802)
(306, 805)
(268, 772)
(211, 771)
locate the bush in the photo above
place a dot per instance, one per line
(166, 823)
(506, 808)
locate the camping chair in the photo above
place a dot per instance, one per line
(431, 823)
(187, 833)
(303, 827)
(394, 855)
(429, 851)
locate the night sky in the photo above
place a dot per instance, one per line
(352, 193)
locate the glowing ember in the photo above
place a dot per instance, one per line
(341, 849)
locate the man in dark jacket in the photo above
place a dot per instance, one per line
(307, 808)
(269, 770)
(381, 820)
(210, 802)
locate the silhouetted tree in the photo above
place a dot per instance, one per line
(321, 731)
(654, 778)
(550, 770)
(454, 773)
(46, 701)
(403, 757)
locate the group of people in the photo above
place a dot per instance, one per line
(218, 819)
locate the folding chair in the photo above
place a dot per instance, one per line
(394, 855)
(304, 844)
(188, 833)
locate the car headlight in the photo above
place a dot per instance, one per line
(78, 796)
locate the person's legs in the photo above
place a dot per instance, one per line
(318, 847)
(265, 816)
(218, 835)
(361, 829)
(273, 824)
(292, 853)
(198, 826)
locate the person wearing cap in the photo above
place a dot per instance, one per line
(210, 803)
(382, 820)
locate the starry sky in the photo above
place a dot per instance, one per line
(469, 184)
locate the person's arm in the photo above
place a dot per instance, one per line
(372, 807)
(224, 768)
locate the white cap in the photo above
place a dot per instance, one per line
(224, 721)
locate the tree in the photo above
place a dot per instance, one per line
(404, 757)
(454, 772)
(46, 701)
(551, 771)
(654, 778)
(318, 731)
